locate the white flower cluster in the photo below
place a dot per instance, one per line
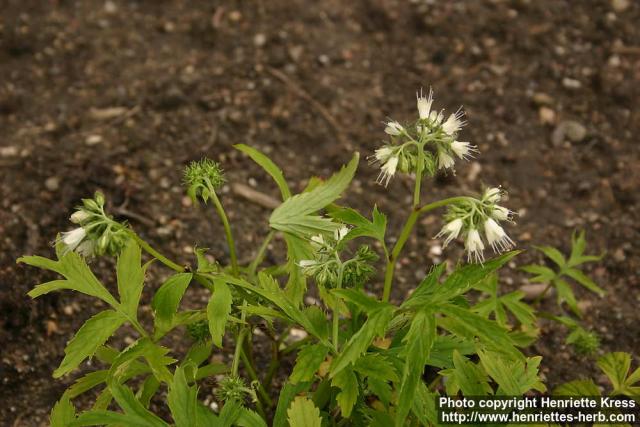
(476, 216)
(322, 267)
(431, 130)
(97, 233)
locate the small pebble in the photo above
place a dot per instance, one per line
(52, 183)
(259, 40)
(571, 83)
(620, 5)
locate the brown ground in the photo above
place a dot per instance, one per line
(188, 78)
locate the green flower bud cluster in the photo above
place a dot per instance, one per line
(198, 331)
(202, 178)
(327, 267)
(97, 233)
(233, 388)
(583, 341)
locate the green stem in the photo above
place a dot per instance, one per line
(154, 253)
(539, 298)
(260, 255)
(227, 231)
(420, 166)
(254, 377)
(336, 312)
(404, 235)
(243, 332)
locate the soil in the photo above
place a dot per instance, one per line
(120, 95)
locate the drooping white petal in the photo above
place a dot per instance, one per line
(73, 238)
(382, 154)
(492, 195)
(317, 241)
(79, 216)
(424, 104)
(445, 161)
(341, 232)
(474, 246)
(501, 213)
(305, 263)
(394, 128)
(497, 237)
(453, 123)
(463, 149)
(451, 230)
(387, 171)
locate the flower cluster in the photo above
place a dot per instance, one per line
(202, 178)
(233, 388)
(97, 233)
(430, 142)
(327, 268)
(472, 217)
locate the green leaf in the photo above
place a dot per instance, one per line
(347, 382)
(295, 214)
(308, 362)
(77, 274)
(297, 250)
(130, 275)
(303, 413)
(499, 304)
(584, 280)
(63, 413)
(553, 254)
(218, 310)
(578, 245)
(468, 377)
(375, 365)
(442, 351)
(375, 228)
(87, 382)
(287, 394)
(418, 343)
(424, 405)
(167, 299)
(374, 326)
(154, 354)
(249, 418)
(586, 388)
(359, 298)
(268, 166)
(94, 333)
(456, 284)
(182, 400)
(469, 325)
(514, 378)
(616, 367)
(565, 294)
(136, 413)
(542, 274)
(147, 390)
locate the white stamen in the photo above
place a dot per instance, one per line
(394, 128)
(387, 171)
(496, 236)
(451, 230)
(424, 104)
(474, 246)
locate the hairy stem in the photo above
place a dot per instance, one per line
(260, 255)
(336, 312)
(227, 231)
(154, 253)
(243, 332)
